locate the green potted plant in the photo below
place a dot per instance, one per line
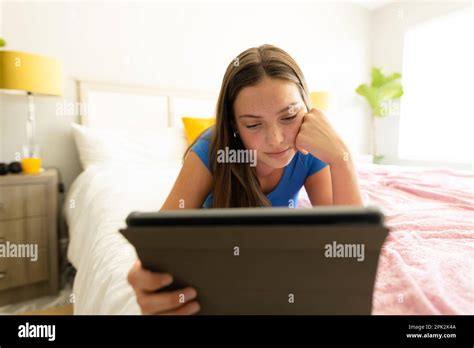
(380, 93)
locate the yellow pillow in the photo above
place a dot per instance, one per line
(194, 126)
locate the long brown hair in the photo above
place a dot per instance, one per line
(237, 184)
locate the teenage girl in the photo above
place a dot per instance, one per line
(263, 106)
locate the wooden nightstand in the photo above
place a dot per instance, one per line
(28, 217)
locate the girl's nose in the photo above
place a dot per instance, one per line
(275, 137)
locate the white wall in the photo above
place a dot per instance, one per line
(180, 46)
(389, 25)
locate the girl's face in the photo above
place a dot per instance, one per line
(268, 117)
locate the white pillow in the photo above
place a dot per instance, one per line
(105, 147)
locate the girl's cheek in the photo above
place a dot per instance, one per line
(257, 142)
(252, 141)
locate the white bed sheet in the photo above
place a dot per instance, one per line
(95, 209)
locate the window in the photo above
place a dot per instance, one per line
(436, 114)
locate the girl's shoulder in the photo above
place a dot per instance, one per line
(207, 134)
(201, 146)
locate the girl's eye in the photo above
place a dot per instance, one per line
(289, 118)
(252, 126)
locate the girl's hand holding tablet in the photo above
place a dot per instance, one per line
(146, 283)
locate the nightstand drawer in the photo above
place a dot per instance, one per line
(11, 202)
(17, 201)
(28, 219)
(29, 231)
(22, 271)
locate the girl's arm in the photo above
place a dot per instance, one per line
(335, 184)
(319, 187)
(192, 185)
(345, 186)
(318, 137)
(189, 191)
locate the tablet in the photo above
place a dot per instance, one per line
(262, 261)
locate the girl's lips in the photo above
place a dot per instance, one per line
(277, 154)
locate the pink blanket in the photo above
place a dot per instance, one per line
(427, 262)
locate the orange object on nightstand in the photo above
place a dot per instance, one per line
(31, 165)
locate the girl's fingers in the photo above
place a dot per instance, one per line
(153, 303)
(299, 148)
(145, 280)
(188, 309)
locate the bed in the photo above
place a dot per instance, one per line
(426, 264)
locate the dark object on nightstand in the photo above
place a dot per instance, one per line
(14, 167)
(3, 169)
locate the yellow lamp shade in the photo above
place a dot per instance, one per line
(320, 100)
(31, 73)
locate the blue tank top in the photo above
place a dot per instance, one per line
(285, 194)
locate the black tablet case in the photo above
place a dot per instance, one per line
(281, 267)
